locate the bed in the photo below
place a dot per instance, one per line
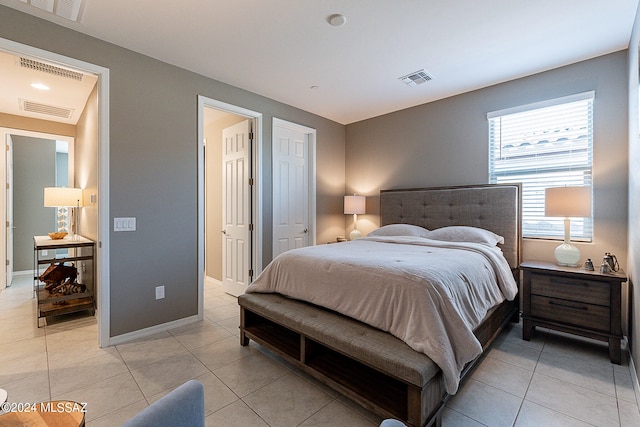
(377, 363)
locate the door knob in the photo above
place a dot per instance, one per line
(224, 231)
(306, 230)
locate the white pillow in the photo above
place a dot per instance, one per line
(400, 230)
(460, 233)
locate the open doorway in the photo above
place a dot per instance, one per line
(229, 202)
(33, 161)
(91, 133)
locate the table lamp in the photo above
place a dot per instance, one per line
(354, 205)
(567, 202)
(62, 197)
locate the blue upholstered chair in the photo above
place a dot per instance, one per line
(183, 406)
(392, 423)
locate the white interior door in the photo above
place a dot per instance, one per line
(236, 208)
(292, 226)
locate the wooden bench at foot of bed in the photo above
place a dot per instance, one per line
(366, 364)
(370, 366)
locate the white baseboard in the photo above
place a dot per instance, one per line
(211, 281)
(23, 273)
(143, 333)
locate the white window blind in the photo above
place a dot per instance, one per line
(548, 144)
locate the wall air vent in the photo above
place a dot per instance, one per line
(50, 69)
(416, 78)
(50, 110)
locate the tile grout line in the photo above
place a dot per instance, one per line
(239, 398)
(524, 398)
(571, 384)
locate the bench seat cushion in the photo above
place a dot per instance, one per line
(368, 345)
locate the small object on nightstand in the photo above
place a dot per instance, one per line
(611, 260)
(588, 265)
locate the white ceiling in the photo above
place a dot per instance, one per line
(282, 48)
(64, 94)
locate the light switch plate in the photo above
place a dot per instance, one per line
(124, 224)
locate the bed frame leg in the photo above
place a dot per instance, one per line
(244, 341)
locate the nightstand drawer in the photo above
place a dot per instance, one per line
(586, 291)
(571, 312)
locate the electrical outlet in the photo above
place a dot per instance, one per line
(159, 292)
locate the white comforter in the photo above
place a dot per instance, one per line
(429, 293)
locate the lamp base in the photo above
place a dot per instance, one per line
(567, 254)
(355, 234)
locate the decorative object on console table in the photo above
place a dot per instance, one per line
(62, 288)
(64, 198)
(567, 202)
(573, 300)
(354, 205)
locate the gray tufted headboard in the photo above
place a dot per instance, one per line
(494, 207)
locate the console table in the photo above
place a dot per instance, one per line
(76, 250)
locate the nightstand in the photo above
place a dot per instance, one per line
(573, 300)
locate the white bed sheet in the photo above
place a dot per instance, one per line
(429, 293)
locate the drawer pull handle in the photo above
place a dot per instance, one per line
(568, 282)
(559, 304)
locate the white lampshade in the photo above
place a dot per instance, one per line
(567, 201)
(62, 196)
(354, 204)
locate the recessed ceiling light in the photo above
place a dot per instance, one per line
(337, 20)
(39, 86)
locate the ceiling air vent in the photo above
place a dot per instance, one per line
(416, 78)
(50, 110)
(68, 9)
(50, 69)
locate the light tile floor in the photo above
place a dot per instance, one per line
(553, 380)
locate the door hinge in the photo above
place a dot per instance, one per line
(250, 135)
(250, 227)
(8, 225)
(250, 181)
(251, 273)
(8, 263)
(6, 147)
(7, 185)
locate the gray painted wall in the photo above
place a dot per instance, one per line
(34, 167)
(153, 140)
(634, 192)
(446, 143)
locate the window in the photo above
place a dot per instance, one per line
(547, 144)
